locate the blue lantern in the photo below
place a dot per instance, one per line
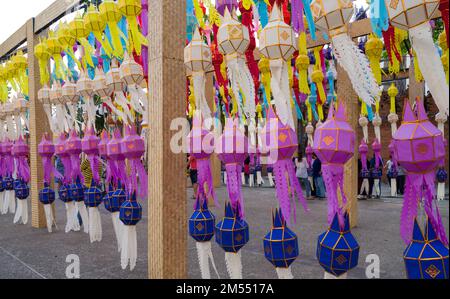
(110, 205)
(232, 233)
(76, 191)
(131, 211)
(202, 223)
(22, 190)
(63, 193)
(281, 243)
(8, 183)
(337, 249)
(93, 196)
(2, 188)
(47, 195)
(119, 197)
(441, 175)
(426, 256)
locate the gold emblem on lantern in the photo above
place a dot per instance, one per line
(282, 137)
(199, 227)
(238, 238)
(328, 140)
(341, 259)
(432, 271)
(422, 148)
(393, 4)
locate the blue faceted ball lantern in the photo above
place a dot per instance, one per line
(2, 188)
(441, 175)
(63, 193)
(47, 195)
(202, 223)
(108, 201)
(131, 211)
(232, 233)
(119, 197)
(8, 183)
(337, 249)
(76, 191)
(22, 190)
(93, 196)
(281, 243)
(426, 257)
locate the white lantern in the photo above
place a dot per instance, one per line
(411, 13)
(69, 93)
(44, 95)
(232, 37)
(132, 75)
(85, 86)
(197, 55)
(100, 87)
(56, 94)
(277, 39)
(114, 82)
(332, 16)
(414, 15)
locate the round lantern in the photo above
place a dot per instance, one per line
(131, 73)
(47, 195)
(197, 54)
(337, 248)
(63, 193)
(21, 190)
(409, 14)
(281, 246)
(76, 191)
(100, 87)
(202, 223)
(113, 77)
(232, 37)
(426, 257)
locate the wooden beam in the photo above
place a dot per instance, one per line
(346, 93)
(38, 126)
(13, 42)
(167, 202)
(54, 12)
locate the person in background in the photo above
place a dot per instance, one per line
(193, 174)
(401, 179)
(247, 170)
(318, 179)
(302, 175)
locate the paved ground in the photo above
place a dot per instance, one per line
(30, 253)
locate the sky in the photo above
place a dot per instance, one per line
(15, 13)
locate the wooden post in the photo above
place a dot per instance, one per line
(167, 201)
(347, 94)
(38, 126)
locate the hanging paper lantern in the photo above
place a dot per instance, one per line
(426, 257)
(110, 13)
(233, 40)
(131, 9)
(281, 246)
(333, 17)
(54, 48)
(232, 233)
(414, 16)
(130, 215)
(278, 43)
(374, 50)
(334, 144)
(20, 152)
(9, 204)
(43, 56)
(117, 199)
(117, 159)
(93, 197)
(70, 97)
(201, 228)
(78, 29)
(115, 84)
(95, 24)
(337, 248)
(419, 148)
(100, 87)
(85, 88)
(280, 143)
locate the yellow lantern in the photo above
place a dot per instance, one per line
(43, 57)
(374, 50)
(79, 31)
(393, 116)
(332, 16)
(3, 85)
(55, 48)
(414, 16)
(11, 73)
(131, 9)
(110, 13)
(20, 63)
(278, 43)
(95, 24)
(67, 40)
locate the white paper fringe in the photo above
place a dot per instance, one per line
(95, 225)
(21, 216)
(271, 181)
(440, 191)
(205, 255)
(281, 91)
(84, 216)
(365, 187)
(284, 273)
(259, 178)
(129, 247)
(11, 201)
(72, 219)
(393, 187)
(234, 265)
(331, 276)
(49, 217)
(117, 225)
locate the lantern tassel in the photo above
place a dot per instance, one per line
(234, 265)
(430, 65)
(11, 201)
(331, 276)
(72, 220)
(129, 247)
(199, 82)
(205, 255)
(281, 91)
(21, 215)
(285, 273)
(49, 217)
(357, 67)
(84, 216)
(117, 229)
(95, 225)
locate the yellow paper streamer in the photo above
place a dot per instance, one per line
(317, 76)
(302, 64)
(264, 67)
(309, 110)
(374, 50)
(67, 40)
(95, 24)
(78, 30)
(444, 58)
(131, 9)
(43, 56)
(3, 84)
(417, 72)
(11, 74)
(111, 15)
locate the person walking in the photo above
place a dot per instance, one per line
(193, 174)
(318, 179)
(302, 175)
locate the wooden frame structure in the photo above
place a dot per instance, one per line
(167, 228)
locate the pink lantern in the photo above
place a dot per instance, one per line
(133, 148)
(20, 151)
(280, 142)
(419, 148)
(200, 144)
(231, 149)
(74, 149)
(60, 151)
(90, 146)
(9, 162)
(46, 150)
(334, 145)
(117, 159)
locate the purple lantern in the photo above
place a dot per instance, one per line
(117, 159)
(222, 4)
(8, 161)
(334, 145)
(20, 151)
(46, 150)
(133, 148)
(419, 148)
(280, 142)
(200, 143)
(74, 149)
(363, 150)
(231, 150)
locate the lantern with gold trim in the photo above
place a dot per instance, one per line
(130, 215)
(115, 84)
(78, 30)
(95, 24)
(85, 88)
(70, 97)
(110, 13)
(278, 43)
(131, 9)
(54, 48)
(332, 17)
(426, 257)
(233, 40)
